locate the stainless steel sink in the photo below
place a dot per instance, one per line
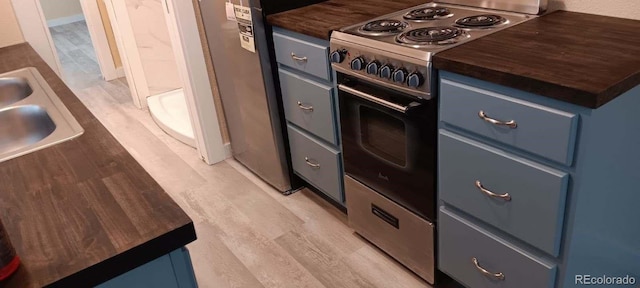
(13, 89)
(32, 117)
(23, 126)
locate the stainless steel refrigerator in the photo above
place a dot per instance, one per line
(247, 88)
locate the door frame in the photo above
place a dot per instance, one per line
(192, 68)
(190, 61)
(36, 31)
(99, 40)
(126, 42)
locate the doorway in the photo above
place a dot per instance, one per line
(84, 41)
(179, 15)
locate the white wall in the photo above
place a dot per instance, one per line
(9, 29)
(618, 8)
(54, 9)
(154, 44)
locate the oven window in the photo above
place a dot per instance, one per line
(383, 135)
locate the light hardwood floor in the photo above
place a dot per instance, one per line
(249, 235)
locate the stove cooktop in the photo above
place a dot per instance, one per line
(433, 27)
(395, 50)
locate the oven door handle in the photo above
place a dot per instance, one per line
(374, 99)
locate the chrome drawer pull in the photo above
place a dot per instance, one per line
(511, 124)
(498, 276)
(313, 165)
(298, 58)
(505, 196)
(303, 107)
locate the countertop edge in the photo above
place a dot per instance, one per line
(525, 83)
(130, 259)
(618, 89)
(532, 85)
(315, 34)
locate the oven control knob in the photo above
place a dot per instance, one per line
(399, 75)
(372, 68)
(338, 55)
(386, 71)
(357, 64)
(415, 80)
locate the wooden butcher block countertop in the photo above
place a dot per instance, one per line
(578, 58)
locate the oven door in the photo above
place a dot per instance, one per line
(389, 143)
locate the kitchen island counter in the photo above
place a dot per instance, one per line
(83, 211)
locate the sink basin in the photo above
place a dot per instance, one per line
(32, 117)
(23, 126)
(13, 89)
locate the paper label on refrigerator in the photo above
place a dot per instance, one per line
(242, 13)
(247, 43)
(245, 26)
(231, 14)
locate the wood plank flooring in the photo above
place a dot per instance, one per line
(249, 235)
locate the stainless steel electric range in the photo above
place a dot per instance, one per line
(388, 117)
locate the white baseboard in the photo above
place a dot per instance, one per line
(120, 72)
(113, 74)
(227, 150)
(65, 20)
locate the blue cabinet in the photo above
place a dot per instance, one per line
(309, 98)
(559, 187)
(172, 270)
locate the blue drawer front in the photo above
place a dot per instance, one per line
(316, 56)
(309, 105)
(541, 130)
(535, 212)
(460, 241)
(307, 151)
